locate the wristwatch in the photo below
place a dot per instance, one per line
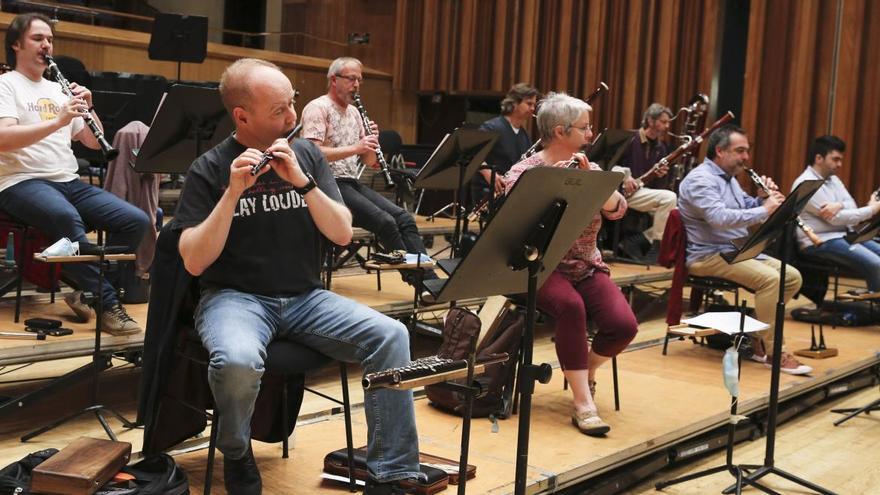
(311, 184)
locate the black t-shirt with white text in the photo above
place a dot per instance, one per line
(273, 247)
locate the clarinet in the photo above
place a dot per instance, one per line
(109, 152)
(267, 156)
(808, 231)
(383, 165)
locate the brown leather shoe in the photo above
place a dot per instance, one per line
(82, 310)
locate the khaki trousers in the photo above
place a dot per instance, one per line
(760, 277)
(658, 202)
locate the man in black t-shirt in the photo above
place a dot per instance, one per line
(255, 243)
(513, 140)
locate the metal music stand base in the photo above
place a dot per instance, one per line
(100, 362)
(855, 411)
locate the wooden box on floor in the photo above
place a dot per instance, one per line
(80, 468)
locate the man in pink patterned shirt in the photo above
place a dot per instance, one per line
(581, 284)
(333, 123)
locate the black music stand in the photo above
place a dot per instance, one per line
(190, 119)
(179, 38)
(610, 147)
(101, 360)
(728, 465)
(778, 224)
(464, 150)
(545, 212)
(864, 232)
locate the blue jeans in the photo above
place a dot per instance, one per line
(235, 328)
(860, 258)
(64, 209)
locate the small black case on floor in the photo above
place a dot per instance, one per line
(42, 323)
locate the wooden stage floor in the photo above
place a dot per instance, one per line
(664, 399)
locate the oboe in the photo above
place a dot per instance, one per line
(808, 231)
(108, 150)
(383, 165)
(268, 156)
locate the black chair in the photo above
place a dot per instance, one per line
(287, 358)
(403, 177)
(26, 236)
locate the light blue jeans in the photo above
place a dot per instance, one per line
(861, 258)
(235, 328)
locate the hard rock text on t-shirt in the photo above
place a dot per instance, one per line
(268, 203)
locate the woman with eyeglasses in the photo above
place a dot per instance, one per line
(580, 286)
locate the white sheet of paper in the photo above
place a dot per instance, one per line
(341, 479)
(726, 321)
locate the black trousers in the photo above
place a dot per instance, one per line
(394, 226)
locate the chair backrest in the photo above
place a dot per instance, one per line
(74, 70)
(391, 142)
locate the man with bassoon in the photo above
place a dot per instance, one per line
(646, 186)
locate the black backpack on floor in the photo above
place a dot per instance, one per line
(498, 380)
(154, 475)
(15, 479)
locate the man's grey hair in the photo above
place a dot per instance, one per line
(721, 139)
(653, 112)
(559, 109)
(337, 65)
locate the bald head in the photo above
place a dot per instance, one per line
(239, 79)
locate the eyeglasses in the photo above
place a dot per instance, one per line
(354, 79)
(584, 129)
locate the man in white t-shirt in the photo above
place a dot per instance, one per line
(39, 184)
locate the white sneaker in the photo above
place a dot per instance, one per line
(759, 359)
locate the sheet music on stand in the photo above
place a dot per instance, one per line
(726, 322)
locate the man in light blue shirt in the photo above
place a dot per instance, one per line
(832, 211)
(715, 211)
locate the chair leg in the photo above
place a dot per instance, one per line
(284, 419)
(212, 445)
(665, 343)
(834, 307)
(20, 274)
(346, 412)
(614, 379)
(52, 285)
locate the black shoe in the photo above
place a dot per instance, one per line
(653, 253)
(390, 488)
(241, 476)
(635, 246)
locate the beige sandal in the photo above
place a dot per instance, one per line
(589, 423)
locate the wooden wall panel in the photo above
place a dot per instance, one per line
(790, 96)
(107, 49)
(646, 50)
